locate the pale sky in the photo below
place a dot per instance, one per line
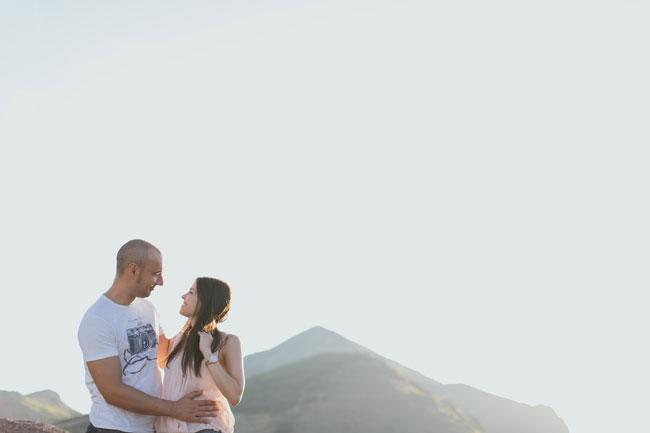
(460, 186)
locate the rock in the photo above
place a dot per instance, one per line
(22, 426)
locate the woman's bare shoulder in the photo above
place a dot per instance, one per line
(230, 340)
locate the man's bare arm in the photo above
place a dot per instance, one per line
(107, 374)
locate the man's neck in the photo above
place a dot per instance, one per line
(119, 294)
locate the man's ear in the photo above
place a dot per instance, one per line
(133, 269)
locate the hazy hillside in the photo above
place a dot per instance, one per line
(346, 393)
(490, 409)
(45, 406)
(74, 425)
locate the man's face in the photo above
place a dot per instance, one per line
(150, 275)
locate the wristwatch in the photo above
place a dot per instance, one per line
(212, 359)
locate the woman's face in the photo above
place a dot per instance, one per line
(190, 301)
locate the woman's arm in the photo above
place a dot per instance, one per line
(229, 379)
(163, 350)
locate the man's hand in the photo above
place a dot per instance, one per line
(190, 410)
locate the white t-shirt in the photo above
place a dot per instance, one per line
(129, 332)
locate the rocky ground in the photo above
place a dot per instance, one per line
(19, 426)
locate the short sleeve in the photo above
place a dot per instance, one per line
(96, 339)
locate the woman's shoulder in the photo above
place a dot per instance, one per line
(229, 340)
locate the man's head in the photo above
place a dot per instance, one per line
(139, 266)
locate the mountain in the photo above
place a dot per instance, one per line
(347, 393)
(44, 406)
(306, 352)
(314, 341)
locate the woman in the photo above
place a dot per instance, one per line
(200, 357)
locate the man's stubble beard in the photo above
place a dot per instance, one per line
(143, 292)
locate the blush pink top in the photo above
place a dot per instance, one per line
(175, 386)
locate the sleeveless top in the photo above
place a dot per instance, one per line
(175, 386)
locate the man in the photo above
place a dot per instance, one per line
(119, 337)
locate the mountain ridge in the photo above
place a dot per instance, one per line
(496, 414)
(293, 349)
(42, 406)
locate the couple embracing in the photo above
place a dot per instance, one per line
(124, 349)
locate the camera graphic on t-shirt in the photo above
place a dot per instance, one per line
(136, 357)
(141, 339)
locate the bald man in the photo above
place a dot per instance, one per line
(119, 335)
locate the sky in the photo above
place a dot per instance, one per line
(459, 186)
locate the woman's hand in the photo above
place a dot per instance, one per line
(205, 343)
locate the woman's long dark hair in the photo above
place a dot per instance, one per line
(213, 305)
